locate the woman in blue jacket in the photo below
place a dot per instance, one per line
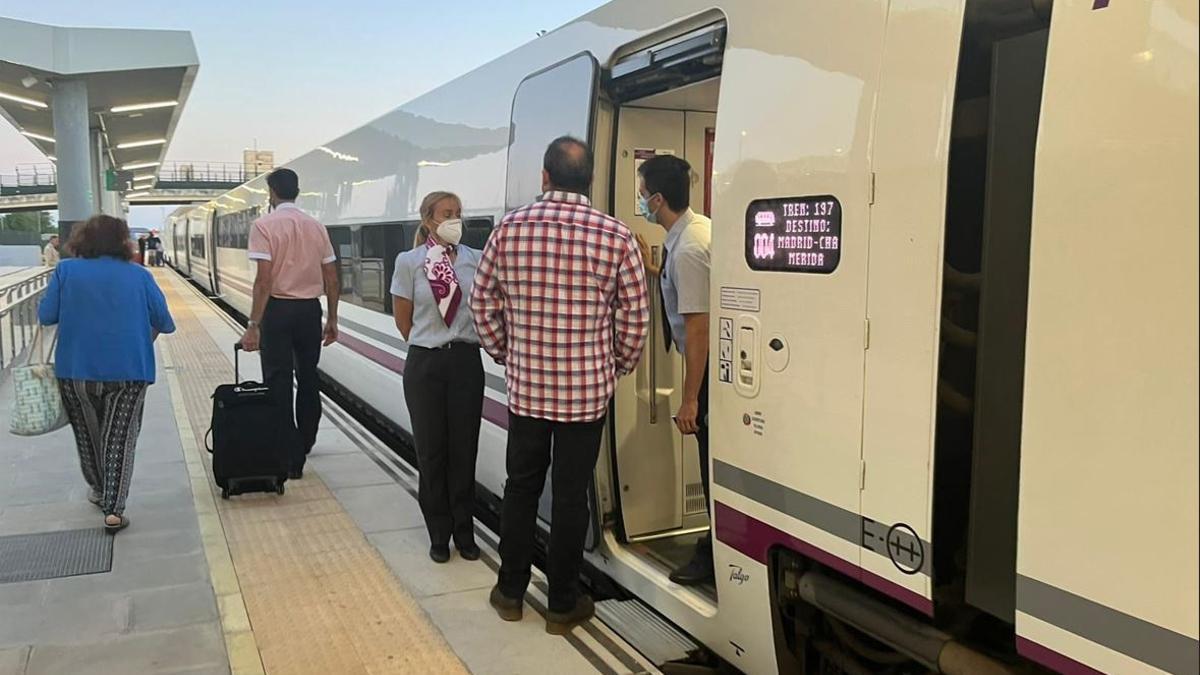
(109, 312)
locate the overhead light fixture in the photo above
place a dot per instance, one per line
(144, 176)
(141, 144)
(138, 165)
(52, 158)
(28, 81)
(143, 106)
(131, 195)
(39, 137)
(142, 186)
(21, 99)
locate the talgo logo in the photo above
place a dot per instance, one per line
(737, 575)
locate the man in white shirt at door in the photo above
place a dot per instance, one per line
(664, 192)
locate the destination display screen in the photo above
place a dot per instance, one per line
(794, 234)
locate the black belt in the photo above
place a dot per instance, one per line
(453, 344)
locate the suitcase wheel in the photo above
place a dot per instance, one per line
(279, 487)
(224, 493)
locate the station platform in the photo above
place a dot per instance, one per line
(332, 577)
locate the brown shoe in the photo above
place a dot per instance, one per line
(561, 623)
(508, 608)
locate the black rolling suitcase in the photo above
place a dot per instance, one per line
(251, 437)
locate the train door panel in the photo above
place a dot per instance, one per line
(657, 469)
(212, 243)
(181, 245)
(649, 450)
(791, 222)
(556, 101)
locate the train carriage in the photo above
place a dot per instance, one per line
(954, 314)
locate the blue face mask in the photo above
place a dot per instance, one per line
(644, 205)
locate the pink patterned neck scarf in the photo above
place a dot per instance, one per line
(442, 279)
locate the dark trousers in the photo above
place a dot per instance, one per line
(444, 392)
(291, 347)
(574, 448)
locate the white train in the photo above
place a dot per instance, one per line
(954, 291)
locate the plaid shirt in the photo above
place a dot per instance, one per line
(560, 299)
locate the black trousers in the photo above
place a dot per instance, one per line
(532, 443)
(291, 347)
(444, 392)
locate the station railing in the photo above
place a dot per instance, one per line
(29, 179)
(18, 317)
(43, 178)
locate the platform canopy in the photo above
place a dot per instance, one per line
(122, 89)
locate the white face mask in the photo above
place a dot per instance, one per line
(450, 231)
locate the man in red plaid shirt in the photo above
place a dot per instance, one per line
(560, 299)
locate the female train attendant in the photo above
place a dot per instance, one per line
(443, 377)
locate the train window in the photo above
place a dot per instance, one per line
(476, 232)
(197, 247)
(794, 234)
(554, 102)
(372, 267)
(233, 229)
(343, 248)
(408, 236)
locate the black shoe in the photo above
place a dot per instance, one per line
(561, 623)
(699, 570)
(468, 551)
(439, 554)
(508, 608)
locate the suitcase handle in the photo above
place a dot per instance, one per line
(237, 348)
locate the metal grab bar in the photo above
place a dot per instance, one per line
(655, 298)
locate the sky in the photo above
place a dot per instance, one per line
(289, 76)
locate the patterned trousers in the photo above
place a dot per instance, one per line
(106, 417)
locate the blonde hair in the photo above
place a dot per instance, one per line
(428, 204)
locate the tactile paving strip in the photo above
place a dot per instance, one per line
(319, 597)
(52, 555)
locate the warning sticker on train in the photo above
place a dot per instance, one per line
(794, 234)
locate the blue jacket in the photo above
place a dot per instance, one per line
(106, 310)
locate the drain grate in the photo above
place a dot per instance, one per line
(51, 555)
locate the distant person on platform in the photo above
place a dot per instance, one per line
(50, 255)
(108, 313)
(154, 249)
(296, 265)
(560, 298)
(141, 260)
(664, 195)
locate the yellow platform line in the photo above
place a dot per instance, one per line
(317, 597)
(240, 644)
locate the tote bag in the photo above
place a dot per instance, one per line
(37, 404)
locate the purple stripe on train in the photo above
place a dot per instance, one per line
(1052, 659)
(493, 411)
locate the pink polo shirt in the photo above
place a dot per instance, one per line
(297, 245)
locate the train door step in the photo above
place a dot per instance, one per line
(650, 634)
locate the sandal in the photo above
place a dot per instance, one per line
(113, 528)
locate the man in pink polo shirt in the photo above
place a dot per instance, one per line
(296, 265)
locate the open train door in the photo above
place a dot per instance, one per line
(556, 101)
(664, 96)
